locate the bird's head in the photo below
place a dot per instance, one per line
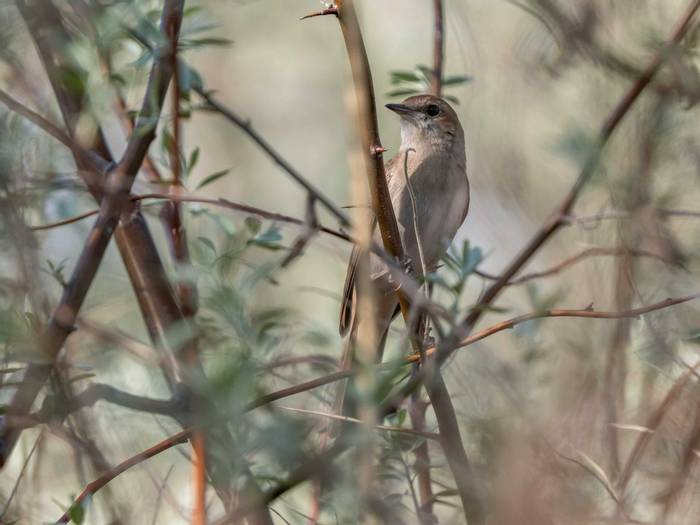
(427, 119)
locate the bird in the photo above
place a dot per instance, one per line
(432, 155)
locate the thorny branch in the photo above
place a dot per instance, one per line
(389, 230)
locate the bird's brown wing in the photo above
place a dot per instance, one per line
(347, 305)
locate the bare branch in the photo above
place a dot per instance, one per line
(90, 156)
(438, 48)
(595, 251)
(99, 483)
(247, 128)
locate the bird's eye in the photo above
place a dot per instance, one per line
(433, 110)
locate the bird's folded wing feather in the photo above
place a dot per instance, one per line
(347, 305)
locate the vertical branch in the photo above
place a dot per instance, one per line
(418, 407)
(381, 203)
(186, 292)
(438, 48)
(199, 478)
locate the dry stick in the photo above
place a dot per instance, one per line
(418, 407)
(267, 399)
(438, 48)
(119, 183)
(560, 215)
(20, 476)
(387, 428)
(285, 218)
(683, 475)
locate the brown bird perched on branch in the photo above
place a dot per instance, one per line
(432, 155)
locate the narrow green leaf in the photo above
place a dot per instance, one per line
(211, 178)
(402, 92)
(456, 80)
(192, 162)
(398, 77)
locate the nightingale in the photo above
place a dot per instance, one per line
(432, 155)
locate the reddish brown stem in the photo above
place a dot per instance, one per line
(438, 48)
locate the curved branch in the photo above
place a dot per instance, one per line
(52, 129)
(91, 488)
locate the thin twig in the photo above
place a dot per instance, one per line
(595, 251)
(99, 483)
(347, 419)
(247, 128)
(224, 203)
(13, 492)
(653, 423)
(53, 130)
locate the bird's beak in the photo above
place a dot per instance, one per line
(401, 109)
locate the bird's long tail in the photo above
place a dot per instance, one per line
(346, 393)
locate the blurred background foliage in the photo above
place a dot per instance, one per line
(532, 81)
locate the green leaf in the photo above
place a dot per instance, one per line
(211, 178)
(167, 141)
(456, 80)
(77, 514)
(72, 80)
(268, 240)
(253, 224)
(426, 72)
(207, 41)
(577, 145)
(192, 162)
(398, 77)
(208, 243)
(401, 417)
(694, 336)
(402, 92)
(80, 377)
